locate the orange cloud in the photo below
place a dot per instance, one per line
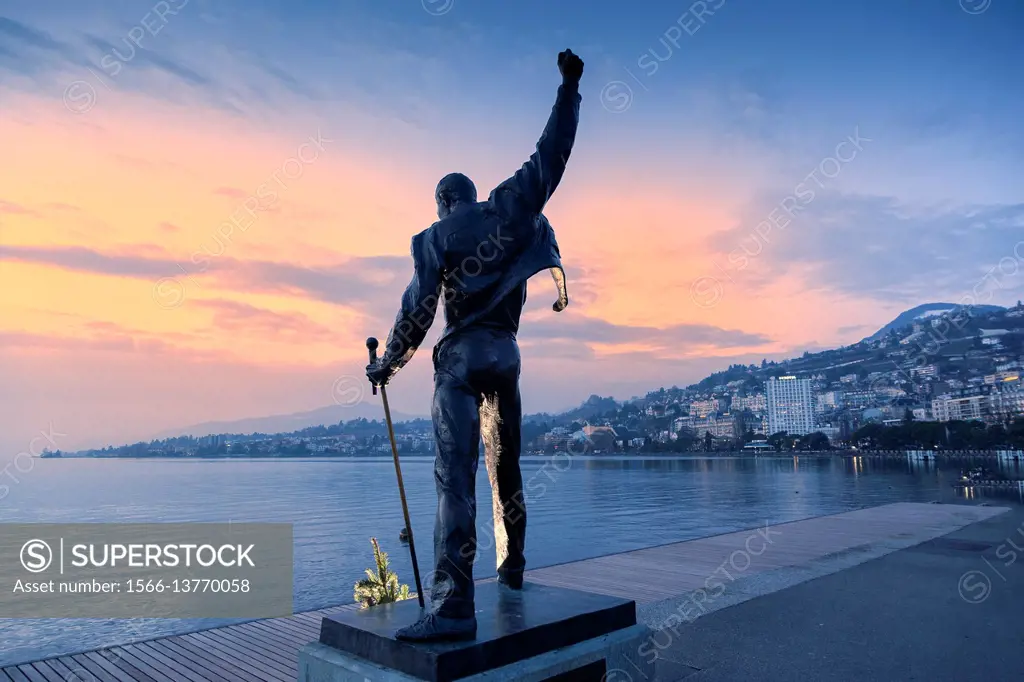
(173, 237)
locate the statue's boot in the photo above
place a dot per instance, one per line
(435, 628)
(512, 579)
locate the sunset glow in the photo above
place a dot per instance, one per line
(213, 232)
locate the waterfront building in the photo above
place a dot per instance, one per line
(947, 408)
(790, 405)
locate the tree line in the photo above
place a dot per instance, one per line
(953, 435)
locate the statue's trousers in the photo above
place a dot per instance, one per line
(476, 394)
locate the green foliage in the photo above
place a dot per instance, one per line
(783, 441)
(780, 441)
(685, 440)
(955, 435)
(816, 441)
(380, 586)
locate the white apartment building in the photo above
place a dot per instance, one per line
(947, 408)
(790, 405)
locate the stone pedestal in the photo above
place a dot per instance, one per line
(534, 634)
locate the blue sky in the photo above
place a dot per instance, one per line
(663, 217)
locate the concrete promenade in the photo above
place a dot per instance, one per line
(949, 609)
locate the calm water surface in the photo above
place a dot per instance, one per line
(578, 507)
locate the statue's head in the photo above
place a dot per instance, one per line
(453, 190)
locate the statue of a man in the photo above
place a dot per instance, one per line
(476, 259)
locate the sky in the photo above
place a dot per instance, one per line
(206, 207)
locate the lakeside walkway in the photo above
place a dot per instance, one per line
(672, 584)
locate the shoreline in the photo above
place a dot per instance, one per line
(418, 455)
(723, 454)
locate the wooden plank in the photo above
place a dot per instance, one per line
(216, 668)
(177, 668)
(304, 629)
(226, 641)
(309, 632)
(272, 629)
(16, 675)
(31, 673)
(310, 615)
(279, 630)
(286, 638)
(48, 673)
(240, 665)
(56, 670)
(113, 668)
(128, 657)
(109, 667)
(159, 665)
(270, 648)
(244, 660)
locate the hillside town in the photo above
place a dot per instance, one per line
(960, 364)
(948, 365)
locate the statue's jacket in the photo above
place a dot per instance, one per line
(480, 253)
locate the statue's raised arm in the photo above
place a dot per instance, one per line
(529, 189)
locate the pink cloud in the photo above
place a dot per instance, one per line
(232, 192)
(16, 209)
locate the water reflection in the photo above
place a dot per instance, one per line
(940, 476)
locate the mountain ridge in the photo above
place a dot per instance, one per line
(287, 423)
(923, 311)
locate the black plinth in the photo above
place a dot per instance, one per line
(511, 626)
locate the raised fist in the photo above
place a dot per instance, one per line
(570, 66)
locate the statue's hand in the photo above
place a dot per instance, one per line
(570, 66)
(378, 373)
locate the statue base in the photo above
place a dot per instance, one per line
(536, 634)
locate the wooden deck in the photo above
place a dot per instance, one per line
(267, 650)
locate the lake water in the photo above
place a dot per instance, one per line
(580, 507)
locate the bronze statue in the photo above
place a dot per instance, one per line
(476, 259)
